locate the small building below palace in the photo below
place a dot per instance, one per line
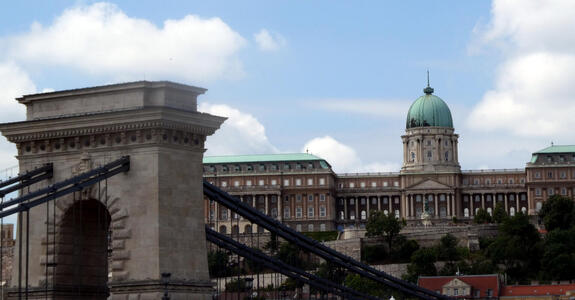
(465, 286)
(304, 192)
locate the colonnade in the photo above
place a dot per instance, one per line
(441, 205)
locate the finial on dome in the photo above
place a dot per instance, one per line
(428, 90)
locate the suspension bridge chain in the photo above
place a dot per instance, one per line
(283, 268)
(315, 247)
(74, 184)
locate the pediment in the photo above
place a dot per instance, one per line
(429, 184)
(456, 283)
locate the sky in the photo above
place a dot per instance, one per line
(334, 78)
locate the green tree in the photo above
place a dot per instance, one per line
(499, 213)
(331, 272)
(366, 286)
(218, 263)
(482, 217)
(558, 262)
(291, 254)
(403, 249)
(517, 247)
(422, 264)
(380, 224)
(558, 212)
(447, 250)
(273, 244)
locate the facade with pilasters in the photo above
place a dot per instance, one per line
(304, 192)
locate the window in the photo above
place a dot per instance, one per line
(274, 182)
(476, 181)
(352, 201)
(322, 227)
(298, 166)
(224, 183)
(373, 184)
(396, 200)
(362, 184)
(298, 198)
(274, 198)
(286, 212)
(310, 198)
(429, 154)
(274, 212)
(321, 197)
(237, 168)
(274, 167)
(537, 174)
(286, 166)
(310, 181)
(322, 181)
(397, 213)
(510, 180)
(261, 182)
(477, 293)
(236, 183)
(489, 293)
(351, 185)
(428, 142)
(385, 199)
(310, 165)
(310, 212)
(550, 191)
(248, 182)
(286, 182)
(298, 212)
(564, 191)
(298, 182)
(224, 214)
(249, 168)
(396, 183)
(446, 155)
(310, 227)
(488, 181)
(211, 214)
(374, 200)
(385, 184)
(225, 168)
(537, 192)
(352, 215)
(262, 167)
(298, 227)
(363, 215)
(549, 174)
(362, 201)
(342, 215)
(322, 211)
(455, 292)
(412, 156)
(563, 175)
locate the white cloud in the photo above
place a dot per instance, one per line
(375, 107)
(14, 82)
(533, 86)
(101, 39)
(241, 133)
(267, 41)
(344, 158)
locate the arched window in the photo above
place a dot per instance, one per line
(412, 156)
(446, 155)
(466, 212)
(223, 229)
(363, 215)
(524, 210)
(512, 211)
(248, 229)
(429, 155)
(341, 215)
(489, 211)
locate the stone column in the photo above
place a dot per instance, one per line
(482, 201)
(390, 204)
(281, 208)
(379, 199)
(411, 208)
(505, 202)
(266, 205)
(368, 200)
(356, 201)
(436, 205)
(472, 206)
(345, 203)
(517, 207)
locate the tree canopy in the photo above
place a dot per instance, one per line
(381, 224)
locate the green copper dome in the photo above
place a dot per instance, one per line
(429, 111)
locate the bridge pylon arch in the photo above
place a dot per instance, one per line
(155, 210)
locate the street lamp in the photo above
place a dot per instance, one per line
(165, 282)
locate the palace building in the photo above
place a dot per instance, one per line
(303, 191)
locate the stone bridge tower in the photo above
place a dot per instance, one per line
(145, 222)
